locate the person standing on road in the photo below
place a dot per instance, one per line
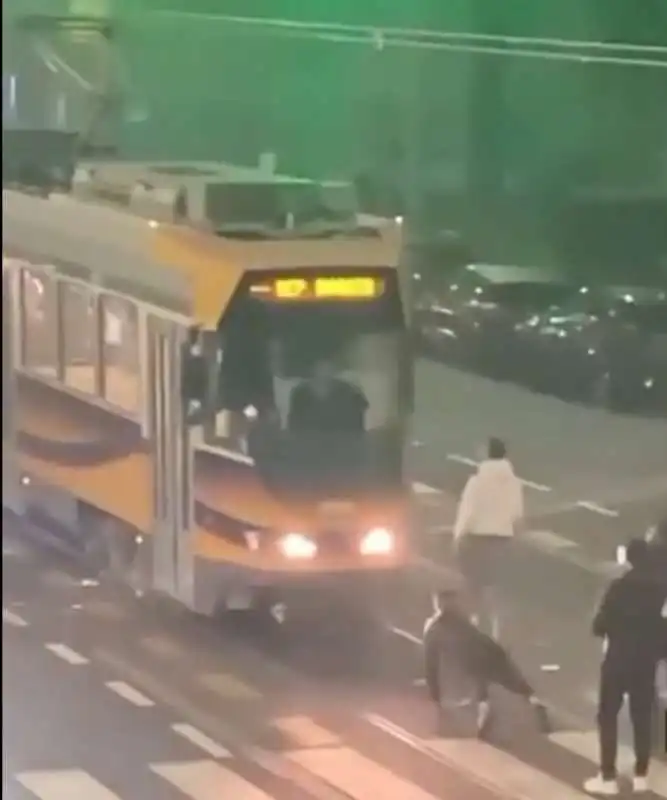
(630, 621)
(489, 511)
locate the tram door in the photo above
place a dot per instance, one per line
(173, 556)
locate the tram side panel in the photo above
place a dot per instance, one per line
(10, 484)
(77, 447)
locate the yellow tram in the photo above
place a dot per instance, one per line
(207, 380)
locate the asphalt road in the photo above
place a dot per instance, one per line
(577, 453)
(297, 716)
(103, 690)
(591, 479)
(103, 686)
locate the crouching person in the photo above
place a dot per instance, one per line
(451, 640)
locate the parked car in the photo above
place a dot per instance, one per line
(470, 317)
(605, 346)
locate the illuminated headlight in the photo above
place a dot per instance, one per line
(378, 541)
(297, 546)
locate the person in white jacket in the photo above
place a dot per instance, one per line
(490, 509)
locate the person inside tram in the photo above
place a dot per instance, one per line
(326, 404)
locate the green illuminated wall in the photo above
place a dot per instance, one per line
(460, 133)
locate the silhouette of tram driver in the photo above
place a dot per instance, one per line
(327, 404)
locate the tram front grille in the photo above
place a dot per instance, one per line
(335, 543)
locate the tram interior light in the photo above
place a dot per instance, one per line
(377, 542)
(297, 546)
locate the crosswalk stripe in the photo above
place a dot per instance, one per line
(585, 745)
(357, 776)
(64, 784)
(66, 653)
(200, 739)
(502, 772)
(228, 686)
(208, 780)
(304, 732)
(130, 694)
(11, 618)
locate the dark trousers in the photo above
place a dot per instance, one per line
(637, 681)
(508, 676)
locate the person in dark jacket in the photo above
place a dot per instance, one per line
(629, 621)
(657, 540)
(452, 643)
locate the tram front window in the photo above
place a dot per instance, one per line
(311, 391)
(326, 402)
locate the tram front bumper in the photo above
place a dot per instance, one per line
(304, 591)
(352, 594)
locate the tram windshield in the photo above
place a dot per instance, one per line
(310, 380)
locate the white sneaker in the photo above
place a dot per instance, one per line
(599, 786)
(640, 784)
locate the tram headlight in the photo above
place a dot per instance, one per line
(297, 546)
(377, 542)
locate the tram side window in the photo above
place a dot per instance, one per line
(79, 337)
(120, 352)
(40, 335)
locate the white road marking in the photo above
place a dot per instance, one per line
(61, 784)
(305, 732)
(356, 776)
(494, 770)
(539, 487)
(66, 653)
(458, 459)
(411, 637)
(208, 780)
(471, 462)
(501, 771)
(130, 694)
(10, 618)
(585, 745)
(548, 540)
(423, 488)
(201, 740)
(209, 720)
(597, 509)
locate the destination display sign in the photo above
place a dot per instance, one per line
(325, 287)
